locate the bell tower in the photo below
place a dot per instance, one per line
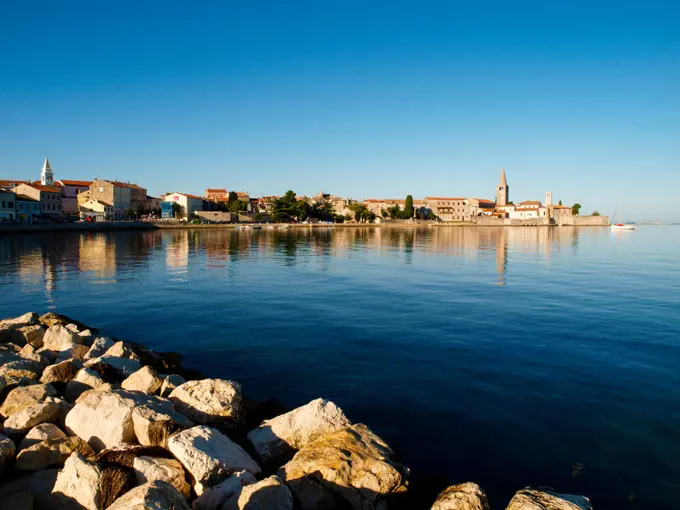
(46, 176)
(502, 191)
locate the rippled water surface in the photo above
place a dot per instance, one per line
(508, 357)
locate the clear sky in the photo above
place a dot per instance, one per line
(358, 98)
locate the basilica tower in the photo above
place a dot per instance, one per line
(46, 176)
(502, 191)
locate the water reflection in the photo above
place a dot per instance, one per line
(43, 260)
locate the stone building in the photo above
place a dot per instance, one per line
(217, 194)
(110, 192)
(447, 208)
(49, 197)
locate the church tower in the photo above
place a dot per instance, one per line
(46, 176)
(502, 191)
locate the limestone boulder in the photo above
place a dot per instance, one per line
(78, 484)
(27, 319)
(51, 453)
(350, 468)
(149, 469)
(41, 432)
(39, 484)
(61, 372)
(155, 495)
(77, 352)
(104, 388)
(52, 319)
(58, 338)
(103, 419)
(32, 335)
(209, 456)
(124, 367)
(465, 496)
(85, 379)
(122, 350)
(99, 347)
(277, 440)
(170, 383)
(21, 397)
(25, 366)
(214, 498)
(145, 380)
(7, 451)
(19, 501)
(209, 401)
(47, 411)
(269, 494)
(532, 499)
(154, 420)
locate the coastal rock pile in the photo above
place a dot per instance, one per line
(93, 423)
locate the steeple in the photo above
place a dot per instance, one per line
(502, 191)
(46, 176)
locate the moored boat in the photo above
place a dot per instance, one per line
(623, 226)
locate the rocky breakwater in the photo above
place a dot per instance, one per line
(92, 423)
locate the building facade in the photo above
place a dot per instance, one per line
(110, 192)
(189, 203)
(7, 205)
(447, 208)
(217, 194)
(27, 209)
(48, 196)
(69, 194)
(96, 210)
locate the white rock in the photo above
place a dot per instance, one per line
(27, 319)
(33, 335)
(531, 499)
(23, 396)
(99, 347)
(170, 383)
(104, 388)
(79, 482)
(209, 456)
(72, 327)
(278, 438)
(24, 367)
(269, 494)
(103, 419)
(145, 380)
(120, 350)
(61, 372)
(77, 352)
(208, 400)
(85, 379)
(40, 433)
(154, 420)
(51, 452)
(466, 496)
(58, 338)
(47, 411)
(124, 366)
(214, 498)
(156, 495)
(7, 451)
(148, 469)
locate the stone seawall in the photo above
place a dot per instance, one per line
(91, 422)
(102, 226)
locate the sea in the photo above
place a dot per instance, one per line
(511, 357)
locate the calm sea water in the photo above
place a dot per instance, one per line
(508, 357)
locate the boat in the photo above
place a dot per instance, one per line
(623, 226)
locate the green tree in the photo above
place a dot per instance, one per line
(177, 211)
(408, 207)
(595, 213)
(233, 197)
(384, 214)
(360, 211)
(575, 209)
(431, 215)
(258, 217)
(559, 203)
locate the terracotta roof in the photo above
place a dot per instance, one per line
(125, 185)
(443, 198)
(184, 194)
(561, 207)
(530, 202)
(8, 183)
(66, 182)
(215, 190)
(38, 186)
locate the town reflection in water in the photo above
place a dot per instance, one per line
(44, 260)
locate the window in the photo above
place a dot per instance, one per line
(10, 205)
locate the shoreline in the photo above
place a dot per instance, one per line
(126, 226)
(75, 402)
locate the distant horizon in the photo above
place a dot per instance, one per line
(362, 101)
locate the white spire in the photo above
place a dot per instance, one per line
(46, 165)
(46, 176)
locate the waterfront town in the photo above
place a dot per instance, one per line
(103, 200)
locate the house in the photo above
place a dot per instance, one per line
(153, 203)
(49, 197)
(96, 210)
(478, 207)
(7, 205)
(189, 203)
(137, 195)
(378, 205)
(69, 194)
(448, 208)
(529, 210)
(110, 192)
(27, 209)
(217, 194)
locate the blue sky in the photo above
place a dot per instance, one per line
(365, 99)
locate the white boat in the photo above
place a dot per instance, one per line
(623, 226)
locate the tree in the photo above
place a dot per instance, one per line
(408, 207)
(575, 209)
(559, 203)
(431, 215)
(595, 213)
(233, 197)
(258, 217)
(177, 211)
(384, 214)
